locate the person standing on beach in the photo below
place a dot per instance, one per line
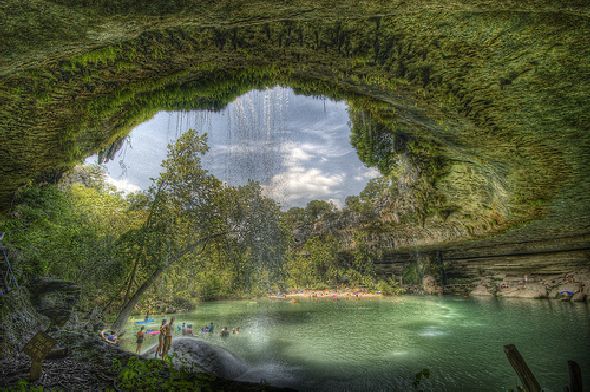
(169, 331)
(161, 338)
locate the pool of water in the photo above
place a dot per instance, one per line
(379, 345)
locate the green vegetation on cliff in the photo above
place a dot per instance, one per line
(469, 97)
(475, 113)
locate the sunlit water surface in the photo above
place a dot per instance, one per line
(380, 345)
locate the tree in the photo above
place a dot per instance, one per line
(183, 217)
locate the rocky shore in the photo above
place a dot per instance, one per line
(82, 361)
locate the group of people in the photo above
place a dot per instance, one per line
(225, 331)
(166, 333)
(185, 329)
(164, 338)
(207, 329)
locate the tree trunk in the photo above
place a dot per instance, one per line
(146, 225)
(128, 306)
(529, 382)
(575, 374)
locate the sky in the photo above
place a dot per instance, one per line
(296, 146)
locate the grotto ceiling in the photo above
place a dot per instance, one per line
(476, 113)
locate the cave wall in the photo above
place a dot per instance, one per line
(497, 89)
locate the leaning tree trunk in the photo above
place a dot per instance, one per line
(128, 306)
(529, 382)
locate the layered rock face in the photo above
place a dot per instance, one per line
(536, 269)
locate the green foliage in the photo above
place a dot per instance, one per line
(26, 386)
(412, 274)
(388, 287)
(315, 266)
(420, 109)
(156, 375)
(70, 233)
(466, 89)
(376, 144)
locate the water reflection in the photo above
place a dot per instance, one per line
(296, 146)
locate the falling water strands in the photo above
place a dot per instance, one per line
(253, 150)
(126, 146)
(268, 136)
(267, 112)
(202, 121)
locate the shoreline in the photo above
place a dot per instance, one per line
(327, 294)
(343, 296)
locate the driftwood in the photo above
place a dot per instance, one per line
(529, 382)
(575, 376)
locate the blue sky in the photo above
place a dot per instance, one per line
(297, 147)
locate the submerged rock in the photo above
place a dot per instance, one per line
(430, 285)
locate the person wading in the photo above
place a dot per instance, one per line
(139, 340)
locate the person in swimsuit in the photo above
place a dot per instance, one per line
(160, 348)
(169, 330)
(139, 340)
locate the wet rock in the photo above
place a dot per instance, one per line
(58, 353)
(482, 290)
(18, 322)
(189, 351)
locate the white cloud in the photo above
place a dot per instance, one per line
(368, 175)
(301, 183)
(323, 148)
(337, 202)
(298, 154)
(123, 185)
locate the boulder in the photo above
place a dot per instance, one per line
(485, 288)
(208, 357)
(531, 290)
(54, 298)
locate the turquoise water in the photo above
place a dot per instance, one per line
(379, 345)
